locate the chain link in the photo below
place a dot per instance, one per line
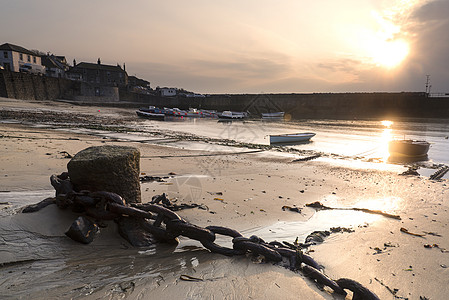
(166, 226)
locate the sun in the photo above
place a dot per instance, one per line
(389, 54)
(387, 46)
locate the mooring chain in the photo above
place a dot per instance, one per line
(166, 226)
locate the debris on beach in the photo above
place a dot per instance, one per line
(432, 233)
(319, 236)
(289, 208)
(147, 178)
(405, 230)
(216, 193)
(307, 158)
(318, 205)
(439, 173)
(66, 154)
(411, 171)
(393, 291)
(82, 230)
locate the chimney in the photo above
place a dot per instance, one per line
(124, 67)
(99, 61)
(74, 62)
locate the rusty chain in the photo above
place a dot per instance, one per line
(166, 226)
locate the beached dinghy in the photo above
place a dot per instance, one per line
(291, 138)
(408, 148)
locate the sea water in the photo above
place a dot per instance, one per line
(354, 139)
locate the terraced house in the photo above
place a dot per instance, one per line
(99, 82)
(99, 74)
(16, 58)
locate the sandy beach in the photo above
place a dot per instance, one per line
(243, 191)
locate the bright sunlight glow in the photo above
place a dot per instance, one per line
(387, 123)
(390, 54)
(385, 46)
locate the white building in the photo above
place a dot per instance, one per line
(167, 92)
(12, 57)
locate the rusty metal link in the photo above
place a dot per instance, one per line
(158, 232)
(360, 292)
(293, 257)
(241, 243)
(213, 247)
(181, 227)
(101, 214)
(296, 256)
(61, 184)
(129, 211)
(166, 213)
(322, 279)
(85, 200)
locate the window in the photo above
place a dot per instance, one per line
(34, 59)
(5, 54)
(29, 58)
(21, 56)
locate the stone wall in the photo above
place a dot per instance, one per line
(94, 94)
(34, 87)
(316, 105)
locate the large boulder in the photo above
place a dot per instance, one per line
(107, 168)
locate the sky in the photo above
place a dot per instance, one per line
(247, 46)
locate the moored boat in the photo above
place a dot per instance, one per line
(273, 115)
(291, 138)
(150, 115)
(408, 148)
(233, 115)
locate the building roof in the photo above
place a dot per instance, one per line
(11, 47)
(49, 63)
(97, 66)
(52, 61)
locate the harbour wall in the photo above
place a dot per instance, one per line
(298, 106)
(34, 87)
(314, 105)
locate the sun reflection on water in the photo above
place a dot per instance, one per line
(386, 136)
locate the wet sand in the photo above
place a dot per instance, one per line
(245, 192)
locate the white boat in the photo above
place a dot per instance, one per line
(150, 115)
(227, 114)
(291, 138)
(273, 115)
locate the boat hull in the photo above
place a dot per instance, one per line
(408, 148)
(291, 138)
(150, 115)
(232, 115)
(274, 115)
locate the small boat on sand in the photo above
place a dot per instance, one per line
(291, 138)
(273, 115)
(408, 148)
(150, 115)
(233, 115)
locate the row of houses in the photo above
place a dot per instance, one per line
(15, 58)
(98, 79)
